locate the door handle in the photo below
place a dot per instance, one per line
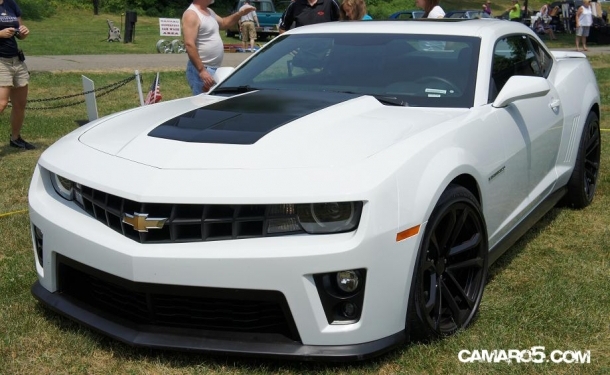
(554, 104)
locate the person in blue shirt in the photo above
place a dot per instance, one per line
(353, 10)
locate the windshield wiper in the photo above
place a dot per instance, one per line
(234, 89)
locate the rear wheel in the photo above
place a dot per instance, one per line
(582, 184)
(451, 268)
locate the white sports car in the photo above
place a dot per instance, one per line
(341, 192)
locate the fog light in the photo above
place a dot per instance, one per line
(342, 294)
(347, 281)
(349, 310)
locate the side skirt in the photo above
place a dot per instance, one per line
(525, 224)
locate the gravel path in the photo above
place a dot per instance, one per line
(160, 62)
(82, 63)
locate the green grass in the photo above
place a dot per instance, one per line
(80, 32)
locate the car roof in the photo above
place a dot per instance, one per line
(484, 27)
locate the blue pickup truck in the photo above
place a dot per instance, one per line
(268, 19)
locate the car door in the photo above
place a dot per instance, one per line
(531, 130)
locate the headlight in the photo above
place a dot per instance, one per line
(63, 186)
(332, 217)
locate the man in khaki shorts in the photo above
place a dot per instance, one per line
(247, 29)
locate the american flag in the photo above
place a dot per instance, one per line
(154, 94)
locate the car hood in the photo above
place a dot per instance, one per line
(258, 130)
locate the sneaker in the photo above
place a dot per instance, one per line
(20, 143)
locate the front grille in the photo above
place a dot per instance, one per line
(185, 222)
(170, 306)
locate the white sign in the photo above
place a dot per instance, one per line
(169, 26)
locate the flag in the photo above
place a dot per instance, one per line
(154, 94)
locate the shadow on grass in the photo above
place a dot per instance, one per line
(506, 259)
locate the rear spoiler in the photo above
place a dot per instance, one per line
(560, 55)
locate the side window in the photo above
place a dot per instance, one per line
(544, 59)
(512, 57)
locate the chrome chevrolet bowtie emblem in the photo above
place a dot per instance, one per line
(142, 223)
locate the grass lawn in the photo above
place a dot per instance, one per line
(80, 32)
(550, 289)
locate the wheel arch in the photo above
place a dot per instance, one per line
(470, 183)
(595, 108)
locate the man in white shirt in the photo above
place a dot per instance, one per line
(247, 29)
(204, 47)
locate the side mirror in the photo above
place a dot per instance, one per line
(222, 73)
(521, 87)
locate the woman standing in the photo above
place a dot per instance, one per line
(431, 8)
(584, 20)
(14, 75)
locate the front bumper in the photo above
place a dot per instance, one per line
(194, 341)
(285, 264)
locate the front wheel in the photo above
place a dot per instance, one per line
(582, 183)
(451, 268)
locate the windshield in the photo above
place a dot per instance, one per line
(399, 69)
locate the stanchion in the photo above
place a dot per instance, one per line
(139, 83)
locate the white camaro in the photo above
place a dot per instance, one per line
(341, 192)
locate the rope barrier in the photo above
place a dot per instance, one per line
(13, 213)
(100, 91)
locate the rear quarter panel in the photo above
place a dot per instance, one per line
(579, 94)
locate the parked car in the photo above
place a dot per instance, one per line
(407, 14)
(268, 19)
(324, 200)
(470, 14)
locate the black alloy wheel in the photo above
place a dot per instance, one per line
(451, 269)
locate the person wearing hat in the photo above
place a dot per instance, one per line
(514, 12)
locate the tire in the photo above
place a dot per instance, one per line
(451, 268)
(583, 182)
